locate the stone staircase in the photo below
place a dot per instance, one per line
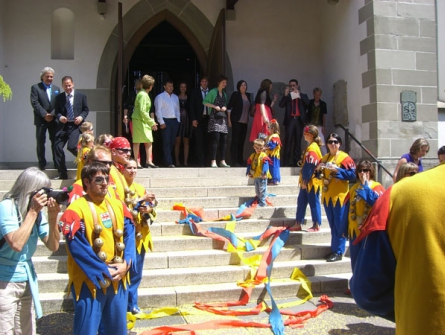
(184, 268)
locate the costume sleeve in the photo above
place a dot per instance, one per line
(347, 171)
(130, 247)
(274, 142)
(81, 251)
(368, 194)
(310, 163)
(249, 165)
(76, 192)
(266, 162)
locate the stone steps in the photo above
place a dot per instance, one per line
(184, 268)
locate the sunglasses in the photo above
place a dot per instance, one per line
(99, 180)
(333, 142)
(364, 171)
(109, 163)
(127, 151)
(412, 173)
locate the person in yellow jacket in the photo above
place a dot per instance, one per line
(141, 204)
(99, 234)
(400, 266)
(258, 169)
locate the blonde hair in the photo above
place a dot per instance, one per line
(83, 141)
(86, 126)
(313, 130)
(274, 127)
(147, 81)
(404, 169)
(259, 143)
(103, 139)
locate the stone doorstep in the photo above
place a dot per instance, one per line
(181, 295)
(155, 278)
(195, 258)
(189, 242)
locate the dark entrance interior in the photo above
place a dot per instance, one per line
(163, 53)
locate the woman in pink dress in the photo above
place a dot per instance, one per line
(263, 111)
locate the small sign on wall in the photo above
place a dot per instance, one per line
(408, 100)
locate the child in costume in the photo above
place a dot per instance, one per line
(86, 143)
(258, 169)
(143, 215)
(310, 186)
(273, 148)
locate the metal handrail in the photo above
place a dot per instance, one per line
(379, 164)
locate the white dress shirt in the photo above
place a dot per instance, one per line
(167, 107)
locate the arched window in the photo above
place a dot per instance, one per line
(62, 34)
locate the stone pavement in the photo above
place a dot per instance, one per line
(345, 318)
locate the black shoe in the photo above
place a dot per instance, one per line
(151, 165)
(41, 168)
(171, 166)
(334, 258)
(61, 177)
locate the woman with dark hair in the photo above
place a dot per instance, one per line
(263, 110)
(185, 126)
(418, 149)
(216, 99)
(239, 107)
(22, 223)
(338, 168)
(362, 197)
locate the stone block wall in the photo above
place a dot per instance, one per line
(401, 55)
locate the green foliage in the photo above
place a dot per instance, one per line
(5, 90)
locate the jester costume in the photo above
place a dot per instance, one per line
(80, 160)
(311, 195)
(361, 198)
(335, 191)
(143, 244)
(404, 237)
(117, 180)
(257, 166)
(99, 302)
(273, 151)
(78, 192)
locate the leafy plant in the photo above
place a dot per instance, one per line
(5, 90)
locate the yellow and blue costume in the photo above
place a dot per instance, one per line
(257, 166)
(311, 195)
(273, 151)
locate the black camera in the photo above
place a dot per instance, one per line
(61, 197)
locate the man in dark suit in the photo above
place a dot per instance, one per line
(71, 111)
(43, 96)
(200, 120)
(295, 117)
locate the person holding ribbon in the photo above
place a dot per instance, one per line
(337, 169)
(99, 234)
(22, 223)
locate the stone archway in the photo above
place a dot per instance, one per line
(142, 18)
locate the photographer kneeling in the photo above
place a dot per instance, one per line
(22, 222)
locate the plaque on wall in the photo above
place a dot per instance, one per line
(408, 101)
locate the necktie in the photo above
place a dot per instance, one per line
(69, 108)
(48, 92)
(204, 92)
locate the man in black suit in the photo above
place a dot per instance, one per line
(71, 111)
(200, 120)
(295, 117)
(43, 96)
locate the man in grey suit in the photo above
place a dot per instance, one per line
(71, 110)
(43, 96)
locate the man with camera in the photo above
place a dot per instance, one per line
(295, 104)
(99, 234)
(22, 223)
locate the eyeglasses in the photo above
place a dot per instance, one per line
(364, 171)
(332, 142)
(412, 173)
(109, 163)
(99, 180)
(127, 151)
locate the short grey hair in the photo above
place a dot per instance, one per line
(46, 70)
(29, 181)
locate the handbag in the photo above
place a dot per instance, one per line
(220, 115)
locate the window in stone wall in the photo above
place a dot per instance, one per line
(62, 34)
